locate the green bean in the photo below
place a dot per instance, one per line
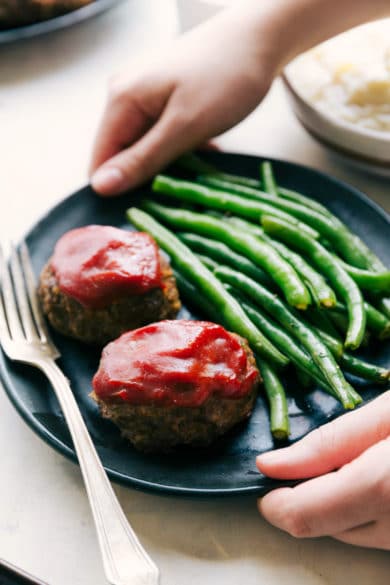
(305, 381)
(282, 191)
(191, 162)
(270, 186)
(375, 282)
(301, 359)
(208, 262)
(339, 279)
(384, 306)
(321, 292)
(237, 179)
(279, 422)
(346, 243)
(259, 252)
(320, 319)
(303, 200)
(214, 199)
(224, 255)
(340, 321)
(333, 344)
(377, 322)
(268, 179)
(187, 263)
(244, 224)
(316, 348)
(278, 336)
(246, 181)
(193, 296)
(205, 169)
(363, 369)
(214, 213)
(254, 228)
(283, 341)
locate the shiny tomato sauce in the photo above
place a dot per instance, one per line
(97, 264)
(178, 363)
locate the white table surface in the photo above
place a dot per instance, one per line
(52, 92)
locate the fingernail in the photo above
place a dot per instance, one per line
(108, 180)
(271, 456)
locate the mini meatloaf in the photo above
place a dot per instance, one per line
(176, 383)
(102, 281)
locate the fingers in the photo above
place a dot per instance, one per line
(131, 111)
(356, 494)
(120, 126)
(373, 535)
(130, 147)
(172, 135)
(332, 445)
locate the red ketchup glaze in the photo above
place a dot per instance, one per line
(178, 363)
(97, 264)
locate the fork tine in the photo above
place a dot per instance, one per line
(11, 311)
(4, 330)
(21, 297)
(32, 293)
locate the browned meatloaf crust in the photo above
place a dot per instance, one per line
(22, 12)
(159, 429)
(99, 326)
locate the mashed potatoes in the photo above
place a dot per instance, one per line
(349, 76)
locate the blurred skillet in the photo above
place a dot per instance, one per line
(56, 23)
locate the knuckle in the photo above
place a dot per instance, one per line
(324, 439)
(381, 489)
(137, 166)
(183, 116)
(115, 93)
(296, 524)
(119, 88)
(381, 483)
(285, 513)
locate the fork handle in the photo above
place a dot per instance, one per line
(124, 559)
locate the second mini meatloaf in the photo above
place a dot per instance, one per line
(102, 281)
(176, 383)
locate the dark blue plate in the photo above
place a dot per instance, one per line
(56, 23)
(229, 466)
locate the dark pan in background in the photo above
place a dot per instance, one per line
(56, 23)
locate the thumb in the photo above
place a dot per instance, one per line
(171, 136)
(332, 445)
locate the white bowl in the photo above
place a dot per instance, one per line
(368, 149)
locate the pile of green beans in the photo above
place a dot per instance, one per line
(278, 268)
(230, 311)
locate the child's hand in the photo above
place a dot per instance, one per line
(208, 81)
(349, 497)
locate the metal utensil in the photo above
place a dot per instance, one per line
(24, 338)
(9, 574)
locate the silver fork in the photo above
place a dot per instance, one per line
(24, 338)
